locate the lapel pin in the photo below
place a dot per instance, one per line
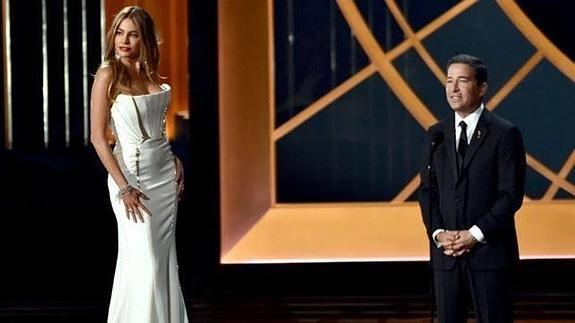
(478, 134)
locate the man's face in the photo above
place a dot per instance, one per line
(463, 93)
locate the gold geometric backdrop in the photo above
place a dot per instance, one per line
(256, 228)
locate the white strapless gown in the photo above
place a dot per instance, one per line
(146, 283)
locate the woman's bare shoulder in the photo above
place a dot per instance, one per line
(104, 73)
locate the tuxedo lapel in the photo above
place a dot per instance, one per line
(480, 133)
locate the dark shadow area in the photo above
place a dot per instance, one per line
(555, 19)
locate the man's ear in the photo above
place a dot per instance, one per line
(483, 88)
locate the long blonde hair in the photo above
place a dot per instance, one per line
(149, 51)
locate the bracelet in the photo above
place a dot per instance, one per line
(126, 190)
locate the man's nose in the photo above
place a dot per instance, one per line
(452, 88)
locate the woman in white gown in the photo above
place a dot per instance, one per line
(145, 179)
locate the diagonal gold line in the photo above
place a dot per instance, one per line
(537, 38)
(550, 175)
(322, 102)
(444, 18)
(384, 66)
(407, 191)
(392, 77)
(431, 27)
(397, 51)
(514, 80)
(403, 91)
(565, 170)
(429, 61)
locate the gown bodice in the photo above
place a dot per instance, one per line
(136, 118)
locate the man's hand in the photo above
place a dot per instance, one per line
(463, 244)
(456, 243)
(447, 240)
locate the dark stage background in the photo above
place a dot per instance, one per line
(58, 232)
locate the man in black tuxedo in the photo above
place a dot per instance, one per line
(472, 184)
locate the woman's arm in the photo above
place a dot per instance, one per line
(99, 117)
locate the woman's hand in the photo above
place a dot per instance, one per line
(134, 207)
(179, 178)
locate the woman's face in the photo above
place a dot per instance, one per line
(127, 40)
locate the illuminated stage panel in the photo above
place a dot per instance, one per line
(374, 232)
(244, 122)
(545, 230)
(338, 232)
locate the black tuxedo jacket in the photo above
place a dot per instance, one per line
(486, 192)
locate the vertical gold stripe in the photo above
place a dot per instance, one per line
(8, 135)
(272, 95)
(45, 75)
(102, 29)
(85, 75)
(66, 74)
